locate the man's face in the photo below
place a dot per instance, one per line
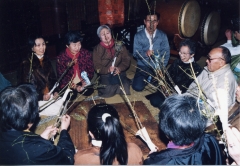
(151, 23)
(237, 35)
(215, 60)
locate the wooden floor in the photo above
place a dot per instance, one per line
(79, 134)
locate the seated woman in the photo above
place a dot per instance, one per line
(180, 119)
(179, 71)
(82, 62)
(103, 57)
(19, 146)
(37, 68)
(108, 140)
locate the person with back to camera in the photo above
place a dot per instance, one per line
(108, 140)
(233, 44)
(103, 57)
(82, 62)
(20, 146)
(37, 69)
(179, 71)
(149, 43)
(181, 120)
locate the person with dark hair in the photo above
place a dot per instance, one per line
(111, 60)
(108, 140)
(149, 48)
(183, 123)
(217, 75)
(82, 62)
(20, 146)
(233, 44)
(37, 68)
(179, 71)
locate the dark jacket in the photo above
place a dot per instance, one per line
(21, 148)
(179, 77)
(205, 151)
(42, 76)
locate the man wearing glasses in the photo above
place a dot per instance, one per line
(216, 76)
(150, 45)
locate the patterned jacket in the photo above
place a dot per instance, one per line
(85, 63)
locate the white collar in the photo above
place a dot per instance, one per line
(190, 60)
(150, 38)
(96, 143)
(39, 56)
(148, 35)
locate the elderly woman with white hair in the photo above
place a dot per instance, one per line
(111, 60)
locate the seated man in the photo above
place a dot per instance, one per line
(215, 76)
(181, 121)
(3, 82)
(150, 46)
(19, 146)
(233, 44)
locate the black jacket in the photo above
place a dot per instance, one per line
(21, 148)
(179, 77)
(205, 151)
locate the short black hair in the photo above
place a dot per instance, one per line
(152, 12)
(181, 120)
(18, 107)
(72, 37)
(32, 38)
(190, 44)
(226, 54)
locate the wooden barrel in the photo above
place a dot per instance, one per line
(178, 17)
(210, 27)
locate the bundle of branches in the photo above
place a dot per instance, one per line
(161, 77)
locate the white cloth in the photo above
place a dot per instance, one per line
(233, 50)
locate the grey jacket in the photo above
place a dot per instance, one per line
(221, 77)
(141, 45)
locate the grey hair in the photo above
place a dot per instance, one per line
(102, 27)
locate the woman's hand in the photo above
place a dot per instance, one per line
(49, 132)
(65, 122)
(55, 95)
(233, 142)
(117, 71)
(46, 97)
(111, 69)
(81, 88)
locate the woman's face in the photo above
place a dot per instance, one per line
(39, 47)
(238, 93)
(185, 54)
(105, 36)
(74, 47)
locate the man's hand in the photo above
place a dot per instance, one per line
(49, 132)
(149, 53)
(65, 122)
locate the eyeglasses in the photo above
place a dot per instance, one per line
(152, 21)
(210, 59)
(183, 53)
